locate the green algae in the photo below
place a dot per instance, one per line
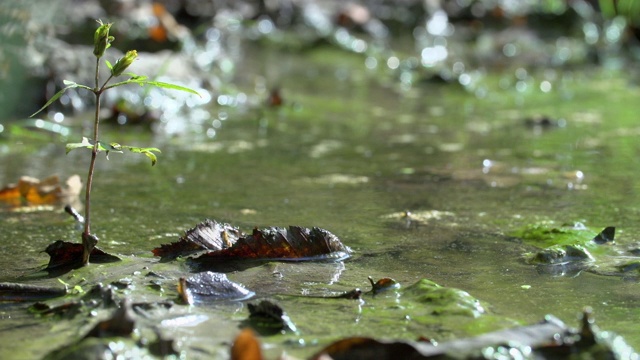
(443, 301)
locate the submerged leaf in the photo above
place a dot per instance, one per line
(210, 286)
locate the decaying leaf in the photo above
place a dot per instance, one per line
(224, 242)
(294, 243)
(268, 318)
(66, 256)
(208, 235)
(211, 286)
(30, 191)
(246, 346)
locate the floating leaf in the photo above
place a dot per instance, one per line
(210, 286)
(294, 243)
(224, 242)
(208, 235)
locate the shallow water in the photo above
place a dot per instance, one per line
(349, 148)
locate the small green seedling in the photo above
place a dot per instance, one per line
(102, 41)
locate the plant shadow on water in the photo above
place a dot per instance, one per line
(419, 189)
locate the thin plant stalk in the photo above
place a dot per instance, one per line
(102, 41)
(89, 241)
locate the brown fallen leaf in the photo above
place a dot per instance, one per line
(224, 242)
(65, 255)
(294, 243)
(208, 235)
(246, 346)
(30, 191)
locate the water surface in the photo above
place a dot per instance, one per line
(349, 148)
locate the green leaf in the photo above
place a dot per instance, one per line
(108, 64)
(132, 80)
(170, 86)
(86, 143)
(148, 152)
(56, 96)
(115, 147)
(142, 80)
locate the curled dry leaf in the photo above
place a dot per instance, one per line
(208, 235)
(224, 242)
(208, 286)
